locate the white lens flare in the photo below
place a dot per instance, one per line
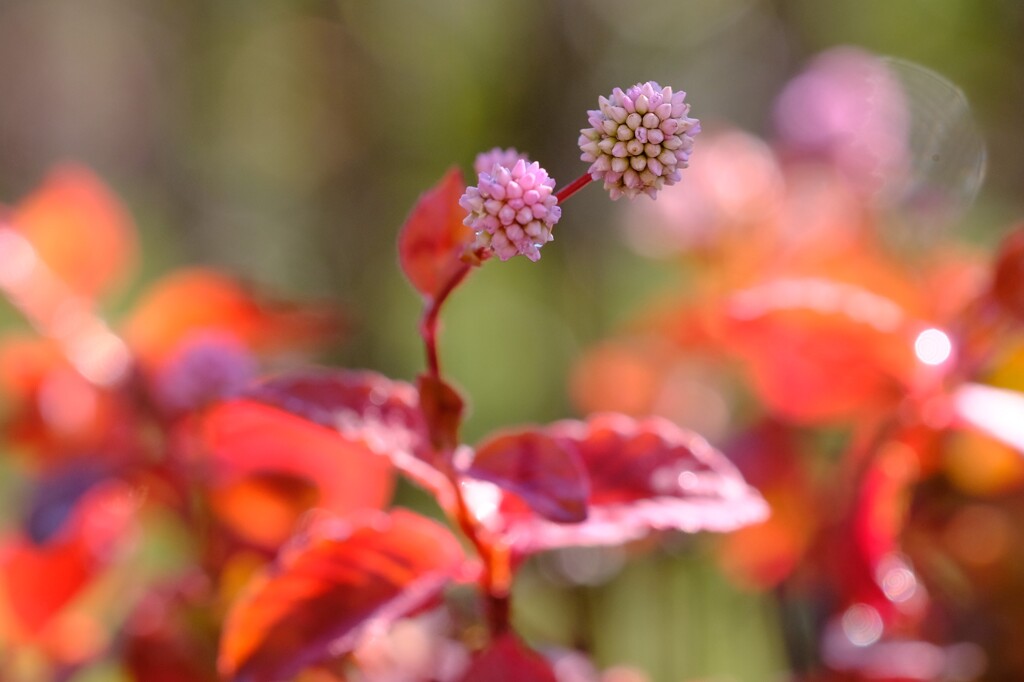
(933, 347)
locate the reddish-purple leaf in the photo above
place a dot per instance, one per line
(998, 412)
(508, 660)
(643, 475)
(338, 578)
(432, 241)
(539, 469)
(362, 407)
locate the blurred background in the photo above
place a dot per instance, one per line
(286, 140)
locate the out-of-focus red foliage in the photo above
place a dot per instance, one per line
(333, 581)
(199, 300)
(79, 229)
(41, 578)
(267, 467)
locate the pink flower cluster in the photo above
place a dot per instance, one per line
(512, 210)
(485, 161)
(639, 139)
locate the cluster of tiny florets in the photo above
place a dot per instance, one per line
(508, 158)
(639, 140)
(512, 209)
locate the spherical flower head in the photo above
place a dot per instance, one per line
(485, 161)
(639, 140)
(512, 210)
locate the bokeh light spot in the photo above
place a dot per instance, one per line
(933, 347)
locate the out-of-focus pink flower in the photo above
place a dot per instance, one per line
(508, 158)
(736, 191)
(639, 139)
(847, 109)
(512, 210)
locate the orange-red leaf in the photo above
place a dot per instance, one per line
(433, 238)
(820, 350)
(338, 578)
(79, 229)
(270, 466)
(198, 301)
(362, 407)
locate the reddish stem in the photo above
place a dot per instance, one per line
(428, 324)
(573, 187)
(496, 578)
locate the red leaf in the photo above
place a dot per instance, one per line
(508, 660)
(643, 475)
(40, 580)
(820, 349)
(78, 228)
(1008, 283)
(252, 446)
(198, 301)
(433, 238)
(536, 467)
(362, 407)
(337, 579)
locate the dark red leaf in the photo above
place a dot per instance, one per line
(1008, 283)
(432, 241)
(508, 660)
(337, 578)
(361, 407)
(442, 408)
(643, 475)
(537, 468)
(169, 637)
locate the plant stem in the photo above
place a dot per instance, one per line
(428, 324)
(496, 578)
(573, 187)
